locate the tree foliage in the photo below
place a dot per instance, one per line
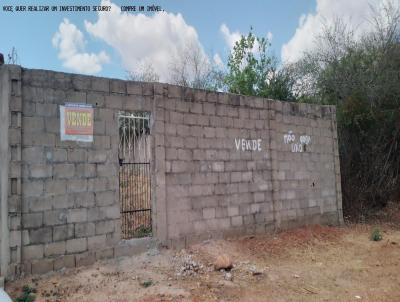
(360, 75)
(252, 70)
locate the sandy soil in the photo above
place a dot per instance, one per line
(307, 264)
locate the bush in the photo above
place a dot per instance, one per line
(376, 235)
(27, 294)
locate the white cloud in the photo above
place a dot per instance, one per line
(70, 42)
(231, 37)
(143, 39)
(354, 13)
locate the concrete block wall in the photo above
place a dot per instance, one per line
(306, 184)
(229, 170)
(63, 196)
(221, 166)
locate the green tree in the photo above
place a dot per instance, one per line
(252, 70)
(360, 75)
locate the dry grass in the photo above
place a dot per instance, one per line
(315, 263)
(135, 194)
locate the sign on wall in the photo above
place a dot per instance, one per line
(76, 122)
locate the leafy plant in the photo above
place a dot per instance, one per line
(252, 70)
(147, 283)
(143, 231)
(376, 234)
(28, 294)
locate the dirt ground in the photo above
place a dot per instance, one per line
(314, 263)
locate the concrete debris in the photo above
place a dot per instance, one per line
(228, 276)
(188, 266)
(255, 271)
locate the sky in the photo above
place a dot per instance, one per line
(111, 43)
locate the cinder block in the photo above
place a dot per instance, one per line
(33, 188)
(134, 88)
(247, 176)
(259, 197)
(55, 217)
(106, 170)
(40, 171)
(201, 190)
(86, 170)
(203, 120)
(55, 248)
(105, 198)
(81, 82)
(76, 245)
(97, 184)
(38, 139)
(85, 259)
(218, 166)
(77, 155)
(55, 187)
(97, 156)
(190, 142)
(15, 238)
(104, 227)
(42, 266)
(57, 155)
(76, 185)
(118, 86)
(61, 201)
(84, 229)
(64, 170)
(96, 214)
(84, 199)
(233, 211)
(77, 215)
(63, 232)
(31, 252)
(32, 220)
(171, 153)
(101, 84)
(65, 261)
(47, 110)
(32, 124)
(42, 235)
(209, 132)
(97, 242)
(209, 108)
(102, 142)
(209, 213)
(237, 220)
(184, 154)
(182, 130)
(254, 208)
(236, 176)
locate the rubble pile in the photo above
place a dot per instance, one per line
(188, 266)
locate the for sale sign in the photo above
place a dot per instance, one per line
(76, 122)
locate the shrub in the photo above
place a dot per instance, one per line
(376, 235)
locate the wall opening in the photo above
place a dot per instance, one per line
(134, 155)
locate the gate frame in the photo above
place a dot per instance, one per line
(152, 174)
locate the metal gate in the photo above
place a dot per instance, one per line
(135, 174)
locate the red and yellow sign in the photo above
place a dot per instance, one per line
(78, 121)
